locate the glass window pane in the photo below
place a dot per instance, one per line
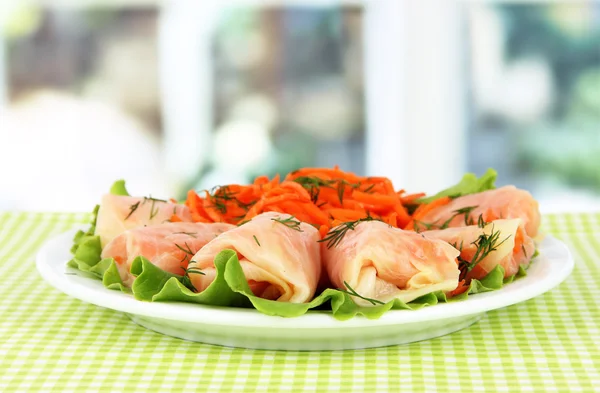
(287, 91)
(536, 95)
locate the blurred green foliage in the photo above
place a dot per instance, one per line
(566, 145)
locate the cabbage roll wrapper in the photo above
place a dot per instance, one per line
(280, 260)
(119, 213)
(383, 263)
(508, 244)
(501, 203)
(168, 246)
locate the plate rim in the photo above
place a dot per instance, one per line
(230, 316)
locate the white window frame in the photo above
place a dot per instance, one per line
(415, 128)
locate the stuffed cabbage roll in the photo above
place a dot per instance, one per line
(168, 246)
(501, 203)
(278, 254)
(383, 263)
(500, 242)
(119, 213)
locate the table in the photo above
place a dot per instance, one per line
(51, 342)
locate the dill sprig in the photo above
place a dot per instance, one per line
(191, 234)
(464, 210)
(427, 226)
(289, 222)
(369, 188)
(341, 188)
(185, 249)
(352, 292)
(256, 240)
(186, 279)
(132, 209)
(153, 212)
(485, 245)
(313, 185)
(150, 198)
(335, 235)
(313, 181)
(434, 225)
(243, 222)
(219, 196)
(481, 222)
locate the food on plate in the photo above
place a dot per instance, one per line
(320, 237)
(501, 203)
(278, 254)
(382, 263)
(169, 246)
(323, 197)
(485, 246)
(119, 213)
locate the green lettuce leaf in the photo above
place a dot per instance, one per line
(118, 188)
(91, 253)
(230, 288)
(469, 184)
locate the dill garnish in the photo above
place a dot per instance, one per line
(132, 209)
(433, 225)
(192, 234)
(369, 188)
(149, 198)
(313, 181)
(427, 226)
(313, 185)
(335, 235)
(289, 222)
(480, 222)
(352, 292)
(485, 245)
(187, 248)
(152, 211)
(186, 279)
(340, 190)
(243, 222)
(256, 240)
(465, 210)
(219, 196)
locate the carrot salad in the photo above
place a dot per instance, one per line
(323, 197)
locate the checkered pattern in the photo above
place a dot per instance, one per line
(51, 342)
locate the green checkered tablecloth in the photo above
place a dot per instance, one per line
(51, 342)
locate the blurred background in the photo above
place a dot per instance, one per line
(180, 94)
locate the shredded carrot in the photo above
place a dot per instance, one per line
(408, 199)
(462, 287)
(423, 209)
(323, 197)
(175, 218)
(323, 229)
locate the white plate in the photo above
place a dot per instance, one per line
(316, 330)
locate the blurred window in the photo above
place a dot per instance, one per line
(173, 95)
(536, 95)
